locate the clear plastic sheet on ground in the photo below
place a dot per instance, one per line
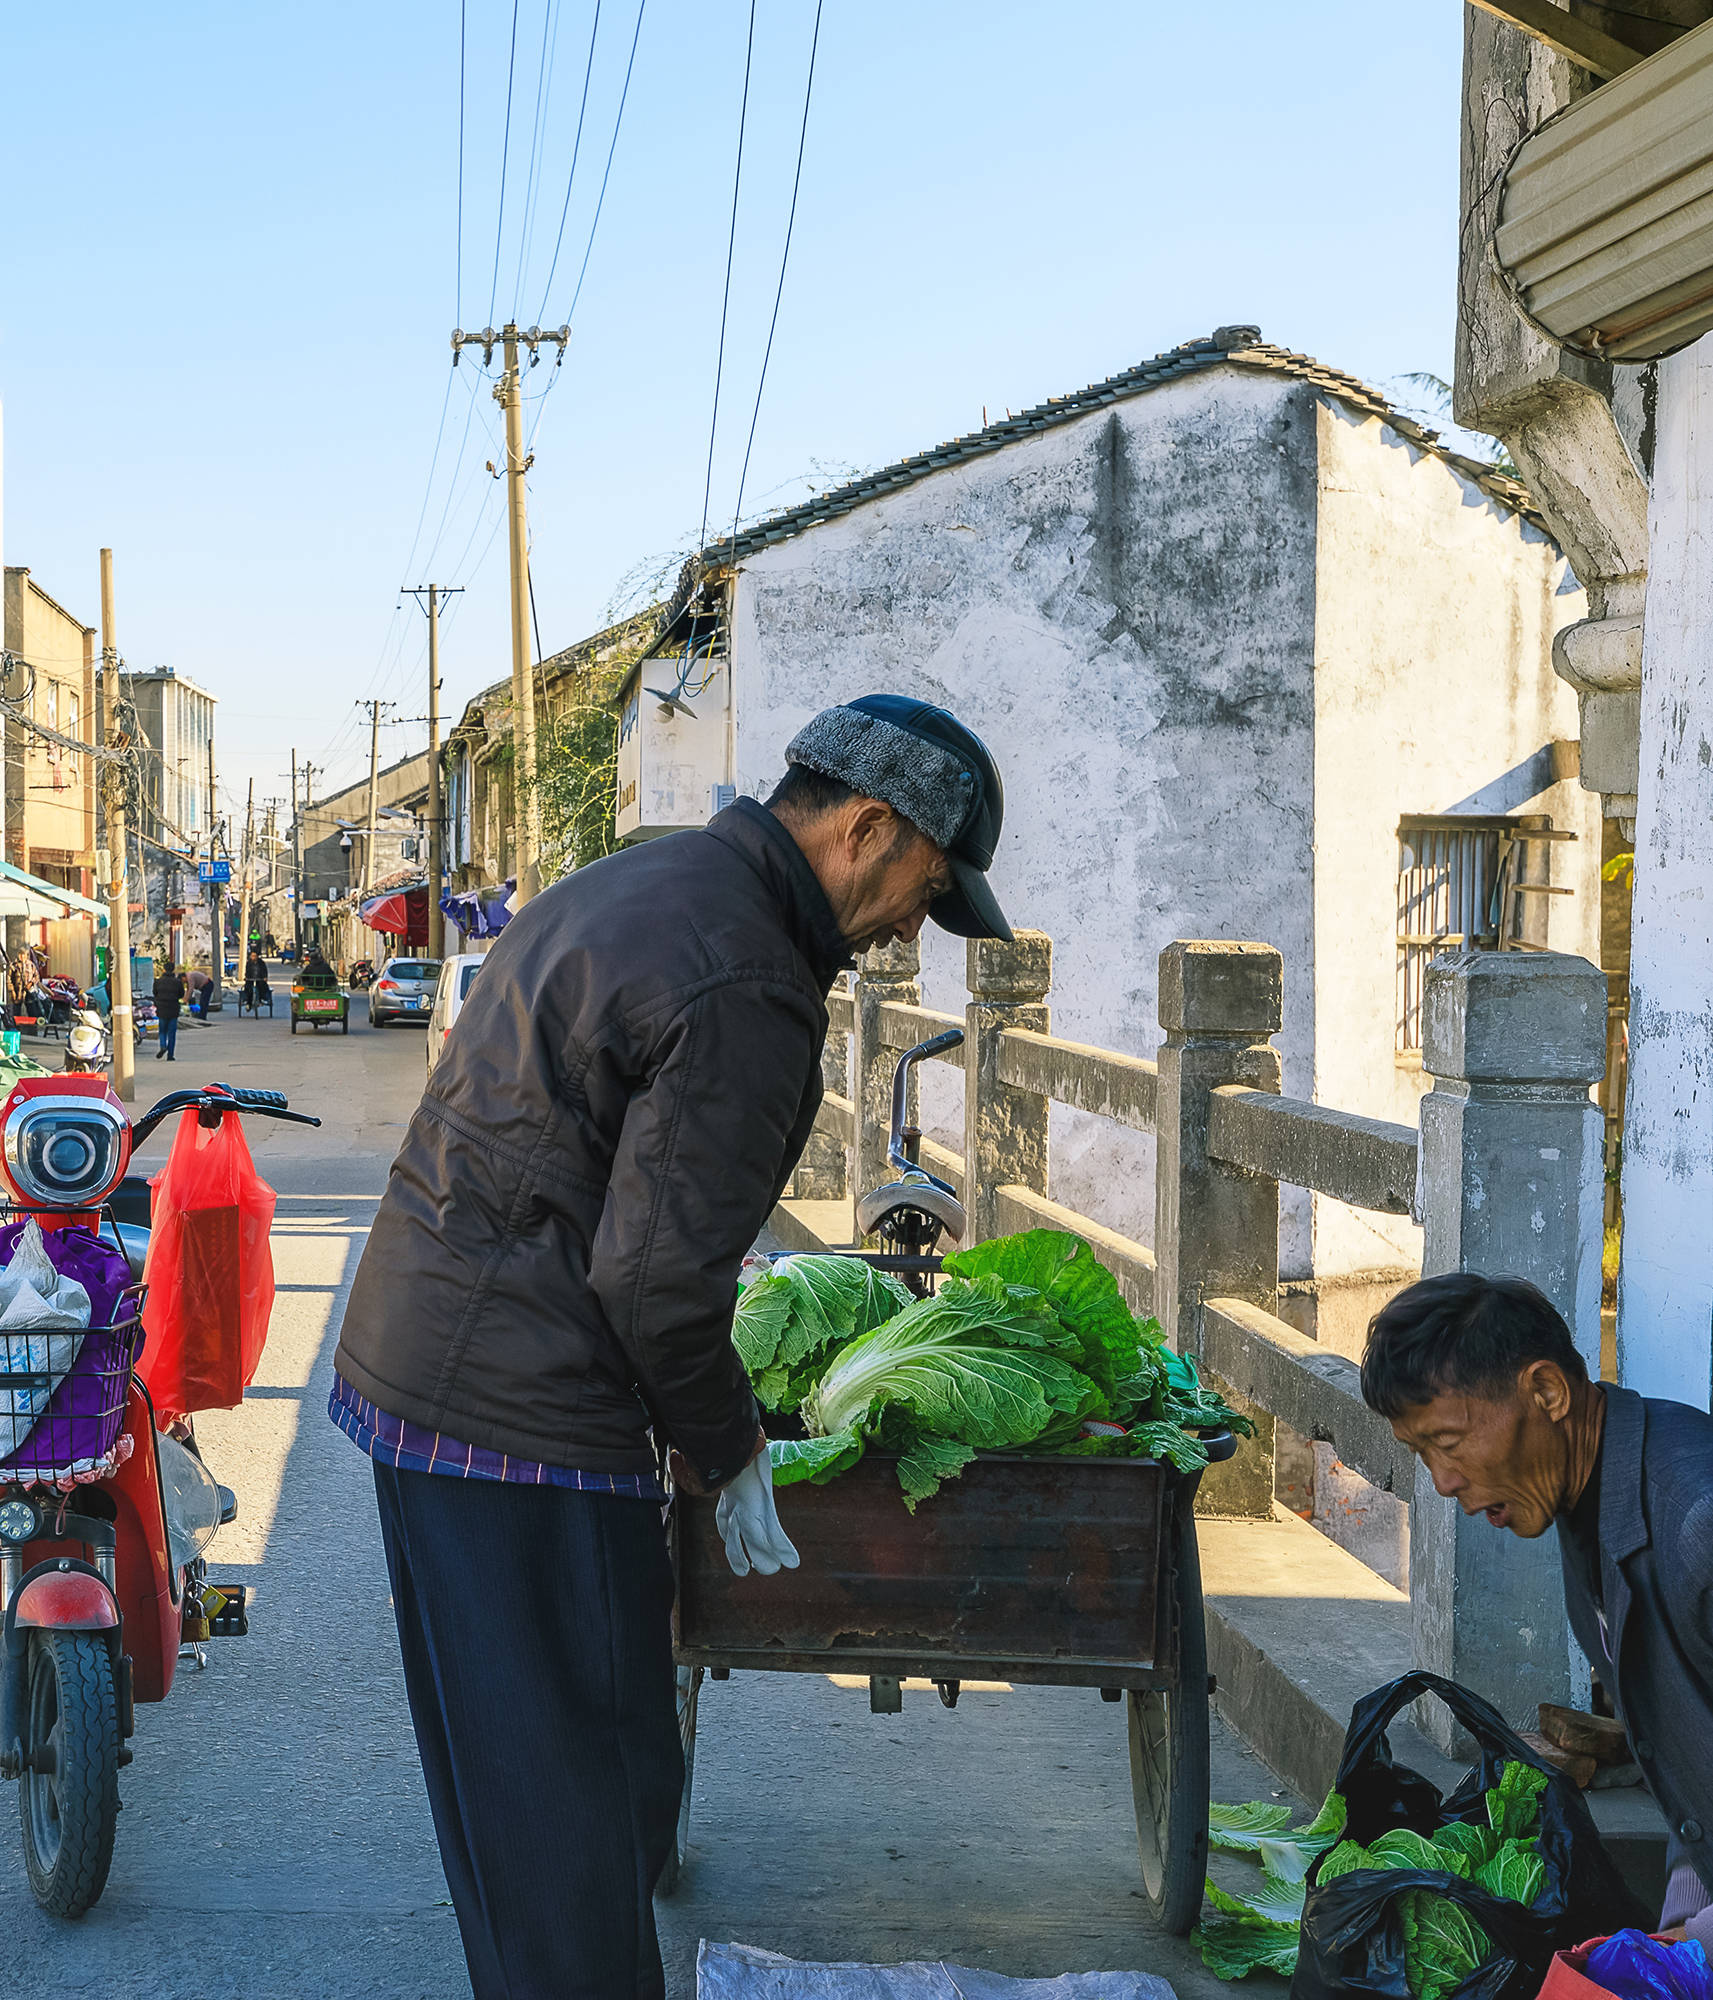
(746, 1972)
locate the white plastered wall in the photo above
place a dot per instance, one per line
(1665, 1287)
(1434, 694)
(1122, 608)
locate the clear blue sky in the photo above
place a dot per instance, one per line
(229, 261)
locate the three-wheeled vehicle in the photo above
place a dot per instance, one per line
(318, 999)
(1063, 1572)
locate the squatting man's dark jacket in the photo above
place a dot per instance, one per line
(554, 1262)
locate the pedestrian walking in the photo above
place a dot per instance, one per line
(550, 1279)
(169, 998)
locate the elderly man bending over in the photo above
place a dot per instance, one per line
(1480, 1378)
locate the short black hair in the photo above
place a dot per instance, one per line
(1464, 1332)
(807, 792)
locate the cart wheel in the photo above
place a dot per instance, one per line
(689, 1683)
(345, 1025)
(294, 1024)
(68, 1800)
(1170, 1756)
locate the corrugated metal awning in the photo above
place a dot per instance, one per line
(1606, 218)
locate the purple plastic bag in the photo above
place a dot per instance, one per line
(1638, 1967)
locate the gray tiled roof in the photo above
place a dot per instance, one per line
(1234, 346)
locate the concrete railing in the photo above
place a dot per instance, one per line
(1505, 1175)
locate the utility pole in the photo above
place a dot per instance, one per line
(244, 888)
(374, 708)
(296, 868)
(508, 393)
(216, 893)
(436, 811)
(118, 875)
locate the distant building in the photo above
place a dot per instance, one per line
(175, 720)
(49, 785)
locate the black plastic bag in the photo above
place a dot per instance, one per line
(1352, 1935)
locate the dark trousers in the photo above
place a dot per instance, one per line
(169, 1035)
(535, 1624)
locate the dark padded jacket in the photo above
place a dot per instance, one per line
(554, 1263)
(1649, 1633)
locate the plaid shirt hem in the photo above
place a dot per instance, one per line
(410, 1448)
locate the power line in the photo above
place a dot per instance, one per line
(458, 300)
(505, 156)
(726, 297)
(576, 149)
(784, 258)
(543, 94)
(611, 149)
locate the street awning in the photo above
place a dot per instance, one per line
(26, 895)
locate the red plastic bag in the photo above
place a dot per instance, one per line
(210, 1271)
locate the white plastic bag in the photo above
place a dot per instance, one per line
(33, 1294)
(745, 1972)
(43, 1317)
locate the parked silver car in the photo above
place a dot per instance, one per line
(404, 991)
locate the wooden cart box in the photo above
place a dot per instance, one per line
(1023, 1569)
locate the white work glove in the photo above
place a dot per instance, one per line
(749, 1522)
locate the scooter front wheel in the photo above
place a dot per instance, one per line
(68, 1796)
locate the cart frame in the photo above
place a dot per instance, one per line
(1135, 1584)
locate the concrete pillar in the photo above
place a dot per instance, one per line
(1005, 1130)
(1216, 1227)
(891, 973)
(1665, 1286)
(1512, 1178)
(823, 1172)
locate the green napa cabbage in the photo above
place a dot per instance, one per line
(786, 1324)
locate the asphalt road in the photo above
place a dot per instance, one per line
(275, 1839)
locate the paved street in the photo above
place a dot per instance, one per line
(275, 1838)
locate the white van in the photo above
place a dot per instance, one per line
(457, 976)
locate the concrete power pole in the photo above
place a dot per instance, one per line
(434, 592)
(374, 708)
(216, 894)
(297, 862)
(244, 886)
(118, 874)
(508, 393)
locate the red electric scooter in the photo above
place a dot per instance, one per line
(103, 1519)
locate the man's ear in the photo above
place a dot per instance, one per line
(1546, 1385)
(869, 820)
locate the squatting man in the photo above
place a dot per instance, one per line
(1481, 1379)
(546, 1296)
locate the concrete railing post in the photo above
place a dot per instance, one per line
(890, 973)
(1005, 1130)
(1512, 1184)
(1216, 1227)
(823, 1171)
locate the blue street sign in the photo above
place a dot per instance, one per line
(214, 871)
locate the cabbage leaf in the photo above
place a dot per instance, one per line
(818, 1458)
(1279, 1902)
(1234, 1946)
(1513, 1805)
(1443, 1944)
(980, 1362)
(1243, 1827)
(1516, 1872)
(1079, 1290)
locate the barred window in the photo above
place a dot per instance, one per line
(1467, 884)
